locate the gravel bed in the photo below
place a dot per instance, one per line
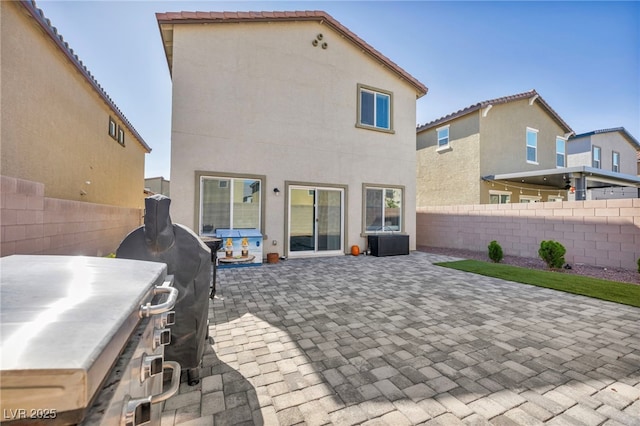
(612, 274)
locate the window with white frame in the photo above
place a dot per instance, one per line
(596, 157)
(375, 108)
(615, 160)
(532, 145)
(530, 198)
(120, 135)
(443, 137)
(229, 202)
(499, 197)
(561, 152)
(112, 128)
(383, 209)
(555, 198)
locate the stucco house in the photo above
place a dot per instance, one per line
(289, 123)
(59, 127)
(158, 185)
(614, 150)
(511, 149)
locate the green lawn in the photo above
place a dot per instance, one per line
(613, 291)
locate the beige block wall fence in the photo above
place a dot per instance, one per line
(602, 233)
(34, 224)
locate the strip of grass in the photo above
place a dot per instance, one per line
(613, 291)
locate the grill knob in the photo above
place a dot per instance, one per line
(136, 412)
(161, 337)
(151, 365)
(167, 318)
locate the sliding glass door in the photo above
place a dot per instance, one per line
(316, 220)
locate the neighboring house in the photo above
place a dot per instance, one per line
(613, 150)
(289, 123)
(58, 125)
(505, 150)
(157, 185)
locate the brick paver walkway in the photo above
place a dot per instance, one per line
(398, 341)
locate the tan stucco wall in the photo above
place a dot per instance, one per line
(504, 146)
(503, 130)
(481, 146)
(259, 98)
(450, 176)
(54, 126)
(608, 142)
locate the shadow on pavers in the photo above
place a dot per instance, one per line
(234, 403)
(347, 339)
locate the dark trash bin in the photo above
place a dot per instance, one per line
(214, 245)
(189, 261)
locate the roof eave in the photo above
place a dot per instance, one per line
(318, 16)
(45, 24)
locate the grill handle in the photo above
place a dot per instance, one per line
(149, 309)
(138, 411)
(175, 383)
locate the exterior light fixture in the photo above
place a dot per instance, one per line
(276, 191)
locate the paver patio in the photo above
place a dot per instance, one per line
(399, 341)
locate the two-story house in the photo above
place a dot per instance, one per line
(512, 149)
(59, 126)
(610, 150)
(289, 123)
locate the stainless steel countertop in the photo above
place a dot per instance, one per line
(63, 322)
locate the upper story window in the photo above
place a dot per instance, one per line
(615, 160)
(383, 209)
(443, 137)
(120, 135)
(532, 145)
(596, 157)
(375, 109)
(561, 152)
(112, 128)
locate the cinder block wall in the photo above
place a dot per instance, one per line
(34, 224)
(601, 233)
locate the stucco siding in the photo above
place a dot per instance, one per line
(614, 141)
(449, 176)
(259, 98)
(54, 126)
(579, 146)
(503, 144)
(579, 159)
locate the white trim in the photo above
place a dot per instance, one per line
(565, 152)
(533, 198)
(315, 252)
(448, 144)
(486, 110)
(498, 192)
(527, 146)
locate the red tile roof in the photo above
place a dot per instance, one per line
(52, 32)
(497, 101)
(316, 15)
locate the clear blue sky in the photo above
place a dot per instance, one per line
(582, 57)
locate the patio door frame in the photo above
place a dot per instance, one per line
(342, 189)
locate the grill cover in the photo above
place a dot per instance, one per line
(188, 259)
